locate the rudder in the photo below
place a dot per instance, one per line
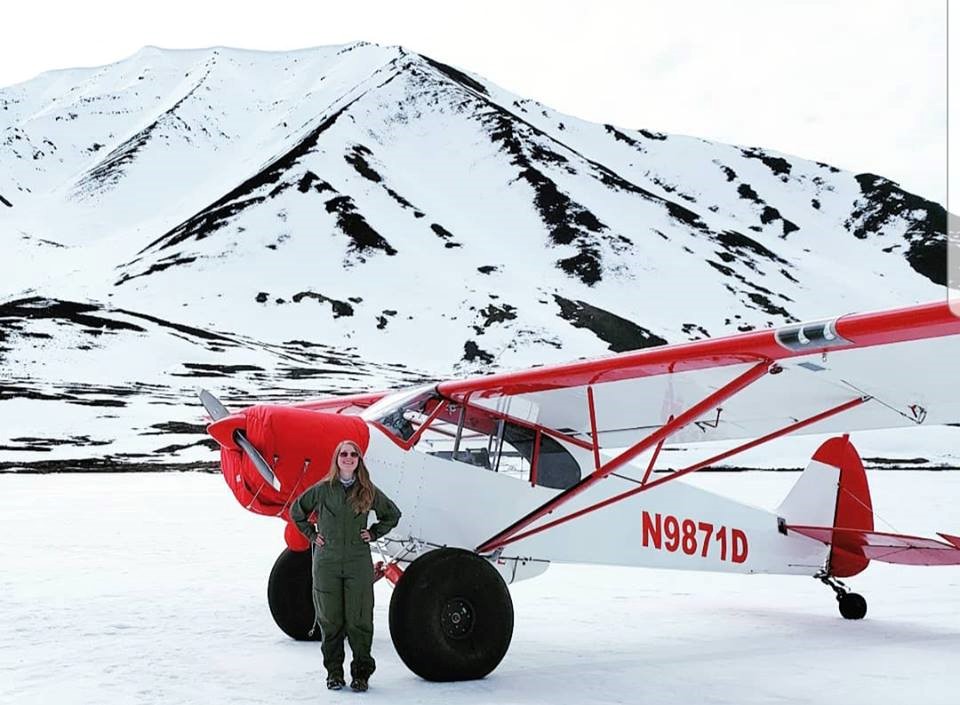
(833, 491)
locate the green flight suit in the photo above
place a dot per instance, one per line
(343, 570)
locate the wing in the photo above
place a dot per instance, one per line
(901, 362)
(349, 404)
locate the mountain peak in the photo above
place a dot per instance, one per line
(282, 211)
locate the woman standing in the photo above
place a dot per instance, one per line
(342, 566)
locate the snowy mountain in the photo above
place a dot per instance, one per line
(285, 225)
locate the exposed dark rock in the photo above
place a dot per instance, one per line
(178, 427)
(473, 352)
(685, 215)
(363, 238)
(738, 242)
(585, 266)
(221, 369)
(262, 297)
(755, 293)
(495, 314)
(541, 154)
(653, 135)
(403, 201)
(621, 137)
(159, 266)
(109, 171)
(356, 159)
(309, 179)
(441, 231)
(52, 442)
(219, 213)
(175, 448)
(189, 330)
(36, 308)
(565, 218)
(117, 463)
(789, 276)
(619, 333)
(690, 329)
(882, 202)
(769, 214)
(5, 202)
(568, 222)
(747, 192)
(340, 308)
(15, 391)
(778, 165)
(767, 306)
(456, 75)
(488, 269)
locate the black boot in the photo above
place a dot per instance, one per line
(359, 685)
(335, 682)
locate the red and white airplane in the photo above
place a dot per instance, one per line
(497, 476)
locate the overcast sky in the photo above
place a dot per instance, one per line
(860, 84)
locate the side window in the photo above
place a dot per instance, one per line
(484, 441)
(556, 468)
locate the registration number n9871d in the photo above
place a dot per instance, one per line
(665, 532)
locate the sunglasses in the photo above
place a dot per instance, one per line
(349, 454)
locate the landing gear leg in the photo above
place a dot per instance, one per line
(852, 605)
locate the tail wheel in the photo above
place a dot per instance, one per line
(451, 616)
(290, 595)
(852, 606)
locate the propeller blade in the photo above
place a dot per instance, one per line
(214, 407)
(217, 411)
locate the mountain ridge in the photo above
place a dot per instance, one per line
(376, 201)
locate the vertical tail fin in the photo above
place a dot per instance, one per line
(833, 492)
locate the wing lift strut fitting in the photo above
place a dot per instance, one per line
(515, 532)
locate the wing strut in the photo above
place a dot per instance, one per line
(687, 417)
(644, 485)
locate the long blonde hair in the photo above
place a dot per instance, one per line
(362, 497)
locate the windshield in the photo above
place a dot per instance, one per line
(403, 413)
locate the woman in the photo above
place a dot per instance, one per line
(342, 567)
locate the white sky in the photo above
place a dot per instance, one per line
(860, 84)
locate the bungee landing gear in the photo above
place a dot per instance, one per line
(852, 605)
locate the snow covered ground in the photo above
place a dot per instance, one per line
(151, 588)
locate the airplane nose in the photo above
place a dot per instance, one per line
(295, 446)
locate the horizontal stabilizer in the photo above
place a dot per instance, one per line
(955, 540)
(889, 548)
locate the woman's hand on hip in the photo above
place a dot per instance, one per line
(365, 535)
(319, 540)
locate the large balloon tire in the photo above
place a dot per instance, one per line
(290, 595)
(451, 616)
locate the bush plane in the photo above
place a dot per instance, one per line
(499, 475)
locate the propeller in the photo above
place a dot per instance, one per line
(218, 411)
